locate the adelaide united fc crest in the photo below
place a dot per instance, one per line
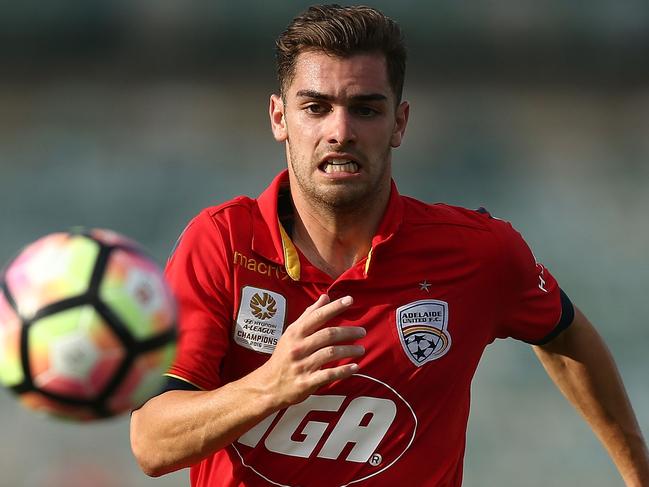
(422, 329)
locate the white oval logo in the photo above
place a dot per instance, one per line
(353, 430)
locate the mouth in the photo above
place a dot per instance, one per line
(333, 165)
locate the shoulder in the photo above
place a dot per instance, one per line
(231, 216)
(228, 212)
(471, 229)
(419, 213)
(214, 225)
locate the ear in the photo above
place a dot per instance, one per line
(401, 120)
(277, 119)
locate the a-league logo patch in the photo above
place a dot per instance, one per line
(422, 329)
(260, 321)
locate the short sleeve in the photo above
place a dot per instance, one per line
(532, 302)
(198, 274)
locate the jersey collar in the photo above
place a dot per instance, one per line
(271, 240)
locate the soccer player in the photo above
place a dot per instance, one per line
(331, 327)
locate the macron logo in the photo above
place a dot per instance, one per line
(541, 280)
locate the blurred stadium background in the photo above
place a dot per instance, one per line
(133, 115)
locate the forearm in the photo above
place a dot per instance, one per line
(179, 428)
(582, 367)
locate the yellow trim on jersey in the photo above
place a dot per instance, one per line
(184, 380)
(291, 258)
(367, 262)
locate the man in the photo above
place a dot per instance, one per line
(330, 328)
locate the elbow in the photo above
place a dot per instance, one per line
(150, 467)
(151, 470)
(147, 457)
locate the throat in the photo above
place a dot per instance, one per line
(327, 251)
(335, 238)
(332, 263)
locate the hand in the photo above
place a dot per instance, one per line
(297, 367)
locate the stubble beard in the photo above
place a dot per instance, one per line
(344, 197)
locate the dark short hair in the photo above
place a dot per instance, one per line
(342, 31)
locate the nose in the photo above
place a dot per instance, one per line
(340, 127)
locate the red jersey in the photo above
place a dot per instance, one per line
(439, 284)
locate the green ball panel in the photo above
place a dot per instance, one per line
(73, 352)
(11, 371)
(53, 268)
(134, 288)
(144, 380)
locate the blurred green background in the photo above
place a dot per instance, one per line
(133, 115)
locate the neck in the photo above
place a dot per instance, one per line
(335, 240)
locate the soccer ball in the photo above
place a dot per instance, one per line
(87, 325)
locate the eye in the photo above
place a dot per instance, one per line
(316, 108)
(364, 111)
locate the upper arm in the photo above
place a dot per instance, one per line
(198, 273)
(532, 306)
(580, 334)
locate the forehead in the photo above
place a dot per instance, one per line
(338, 76)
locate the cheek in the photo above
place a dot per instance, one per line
(303, 138)
(382, 135)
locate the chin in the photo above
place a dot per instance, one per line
(345, 199)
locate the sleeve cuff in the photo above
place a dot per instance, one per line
(174, 383)
(567, 317)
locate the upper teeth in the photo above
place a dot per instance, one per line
(340, 165)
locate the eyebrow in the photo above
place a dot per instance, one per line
(356, 98)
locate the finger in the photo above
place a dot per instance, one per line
(327, 376)
(321, 301)
(330, 336)
(331, 354)
(297, 326)
(318, 316)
